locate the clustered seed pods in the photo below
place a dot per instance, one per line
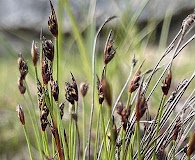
(141, 106)
(71, 91)
(44, 111)
(135, 82)
(61, 107)
(54, 89)
(124, 113)
(167, 83)
(23, 68)
(109, 51)
(104, 90)
(48, 49)
(20, 114)
(100, 91)
(34, 53)
(52, 22)
(21, 86)
(43, 117)
(46, 71)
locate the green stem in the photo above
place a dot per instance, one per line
(103, 130)
(160, 113)
(61, 130)
(28, 141)
(55, 126)
(34, 122)
(97, 136)
(53, 146)
(123, 144)
(188, 158)
(70, 137)
(57, 58)
(138, 140)
(159, 119)
(84, 127)
(128, 101)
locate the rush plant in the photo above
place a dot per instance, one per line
(121, 129)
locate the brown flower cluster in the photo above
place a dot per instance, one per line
(124, 113)
(23, 68)
(71, 91)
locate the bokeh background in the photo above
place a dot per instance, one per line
(150, 24)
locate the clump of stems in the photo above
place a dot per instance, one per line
(125, 128)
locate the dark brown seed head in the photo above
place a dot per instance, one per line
(52, 22)
(46, 72)
(54, 90)
(100, 91)
(191, 144)
(109, 51)
(20, 114)
(21, 86)
(61, 107)
(84, 88)
(135, 82)
(74, 86)
(34, 53)
(43, 117)
(107, 91)
(167, 83)
(141, 107)
(48, 49)
(41, 101)
(23, 67)
(39, 88)
(71, 91)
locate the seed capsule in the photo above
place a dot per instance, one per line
(52, 22)
(20, 114)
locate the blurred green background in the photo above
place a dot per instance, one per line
(146, 39)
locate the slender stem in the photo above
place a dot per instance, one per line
(34, 121)
(53, 146)
(57, 58)
(55, 131)
(84, 127)
(97, 136)
(123, 144)
(93, 81)
(28, 141)
(160, 114)
(103, 130)
(138, 140)
(70, 137)
(128, 100)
